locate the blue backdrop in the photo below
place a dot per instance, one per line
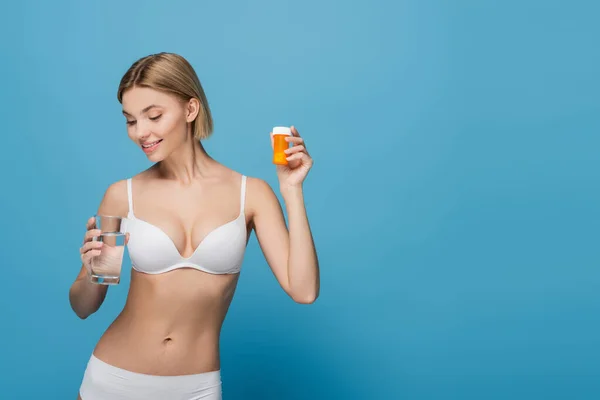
(454, 197)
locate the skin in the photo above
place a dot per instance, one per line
(171, 322)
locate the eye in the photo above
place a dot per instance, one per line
(130, 123)
(156, 118)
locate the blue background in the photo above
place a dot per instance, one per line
(454, 197)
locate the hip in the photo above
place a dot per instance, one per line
(102, 380)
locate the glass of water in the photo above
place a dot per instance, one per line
(105, 269)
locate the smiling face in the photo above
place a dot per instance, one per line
(158, 122)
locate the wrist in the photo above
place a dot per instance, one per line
(295, 190)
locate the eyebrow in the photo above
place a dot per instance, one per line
(143, 111)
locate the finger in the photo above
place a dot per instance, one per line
(90, 246)
(295, 131)
(272, 141)
(92, 233)
(296, 157)
(89, 255)
(294, 139)
(89, 235)
(91, 223)
(294, 149)
(126, 238)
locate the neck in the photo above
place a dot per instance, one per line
(186, 163)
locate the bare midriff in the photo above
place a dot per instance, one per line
(170, 324)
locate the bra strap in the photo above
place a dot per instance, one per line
(129, 196)
(243, 194)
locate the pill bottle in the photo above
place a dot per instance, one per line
(280, 144)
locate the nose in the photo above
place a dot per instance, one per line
(142, 131)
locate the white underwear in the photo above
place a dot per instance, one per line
(102, 381)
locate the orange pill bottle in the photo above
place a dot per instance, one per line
(280, 144)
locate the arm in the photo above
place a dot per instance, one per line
(291, 254)
(86, 297)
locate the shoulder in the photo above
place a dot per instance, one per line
(117, 189)
(258, 187)
(259, 194)
(115, 199)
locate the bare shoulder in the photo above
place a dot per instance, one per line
(258, 187)
(259, 194)
(114, 201)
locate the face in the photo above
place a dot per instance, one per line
(157, 122)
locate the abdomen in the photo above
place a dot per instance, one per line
(170, 324)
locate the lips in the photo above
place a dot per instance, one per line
(149, 147)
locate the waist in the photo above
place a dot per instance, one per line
(160, 346)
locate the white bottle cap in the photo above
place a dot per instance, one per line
(282, 130)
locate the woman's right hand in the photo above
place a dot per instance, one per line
(90, 248)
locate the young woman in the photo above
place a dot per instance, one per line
(189, 220)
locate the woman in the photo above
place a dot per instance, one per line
(189, 219)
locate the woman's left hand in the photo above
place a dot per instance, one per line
(299, 161)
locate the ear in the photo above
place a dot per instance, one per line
(192, 109)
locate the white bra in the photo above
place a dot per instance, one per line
(153, 252)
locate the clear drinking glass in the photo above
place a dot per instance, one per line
(105, 269)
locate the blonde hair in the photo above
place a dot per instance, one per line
(173, 74)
